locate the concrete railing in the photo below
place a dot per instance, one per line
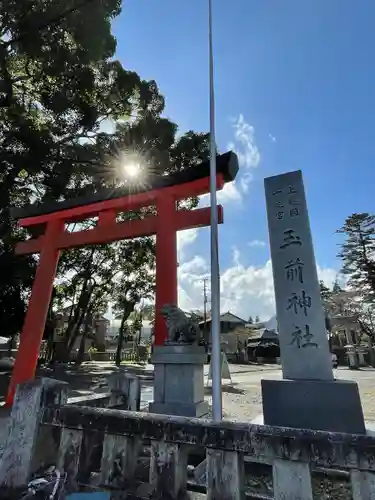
(25, 445)
(40, 410)
(124, 391)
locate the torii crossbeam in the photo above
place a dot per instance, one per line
(161, 191)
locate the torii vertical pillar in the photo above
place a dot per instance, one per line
(36, 314)
(166, 262)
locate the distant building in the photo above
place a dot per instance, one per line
(228, 323)
(344, 326)
(115, 325)
(265, 344)
(271, 324)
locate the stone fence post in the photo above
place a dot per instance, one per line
(23, 428)
(125, 390)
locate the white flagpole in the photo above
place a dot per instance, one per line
(215, 272)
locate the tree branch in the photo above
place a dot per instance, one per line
(48, 24)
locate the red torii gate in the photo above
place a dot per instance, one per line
(161, 191)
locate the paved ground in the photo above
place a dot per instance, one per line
(87, 380)
(241, 400)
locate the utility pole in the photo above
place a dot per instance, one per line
(205, 336)
(205, 299)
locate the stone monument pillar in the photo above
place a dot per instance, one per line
(178, 368)
(308, 396)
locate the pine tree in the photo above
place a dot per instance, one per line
(251, 321)
(336, 287)
(358, 252)
(326, 295)
(257, 319)
(325, 292)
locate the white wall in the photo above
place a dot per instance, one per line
(115, 326)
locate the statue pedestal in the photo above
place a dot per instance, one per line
(179, 380)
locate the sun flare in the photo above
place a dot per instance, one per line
(132, 170)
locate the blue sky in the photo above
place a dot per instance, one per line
(297, 77)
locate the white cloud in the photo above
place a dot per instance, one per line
(257, 243)
(244, 144)
(245, 290)
(245, 147)
(229, 193)
(245, 181)
(193, 269)
(185, 238)
(272, 137)
(327, 275)
(236, 256)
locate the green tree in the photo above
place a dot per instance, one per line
(357, 253)
(326, 296)
(58, 84)
(257, 319)
(148, 312)
(250, 321)
(325, 292)
(363, 313)
(134, 283)
(336, 287)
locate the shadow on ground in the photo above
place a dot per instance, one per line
(252, 368)
(225, 388)
(87, 379)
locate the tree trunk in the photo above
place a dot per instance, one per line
(75, 332)
(126, 313)
(82, 312)
(371, 351)
(73, 319)
(120, 339)
(50, 349)
(49, 329)
(71, 309)
(11, 345)
(81, 350)
(72, 325)
(139, 336)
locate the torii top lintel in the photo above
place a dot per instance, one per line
(192, 181)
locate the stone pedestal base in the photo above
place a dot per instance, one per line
(361, 353)
(178, 380)
(352, 357)
(313, 404)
